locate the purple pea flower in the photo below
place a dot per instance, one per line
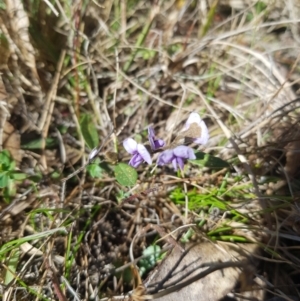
(154, 142)
(138, 151)
(196, 129)
(176, 156)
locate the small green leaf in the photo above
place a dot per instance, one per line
(17, 175)
(95, 170)
(10, 189)
(122, 195)
(12, 165)
(4, 179)
(36, 178)
(125, 174)
(89, 131)
(207, 160)
(55, 175)
(152, 256)
(5, 160)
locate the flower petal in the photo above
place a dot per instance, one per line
(159, 143)
(143, 152)
(154, 143)
(136, 160)
(151, 136)
(193, 118)
(204, 134)
(165, 157)
(130, 145)
(174, 163)
(184, 152)
(180, 163)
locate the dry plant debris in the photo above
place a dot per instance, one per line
(78, 78)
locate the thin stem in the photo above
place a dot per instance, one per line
(186, 209)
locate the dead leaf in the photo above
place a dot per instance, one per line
(213, 286)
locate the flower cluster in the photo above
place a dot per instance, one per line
(195, 131)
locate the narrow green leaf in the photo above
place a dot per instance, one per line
(125, 174)
(207, 160)
(17, 175)
(89, 131)
(11, 187)
(12, 266)
(5, 159)
(12, 244)
(37, 143)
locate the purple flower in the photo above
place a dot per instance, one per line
(138, 151)
(176, 156)
(154, 142)
(196, 129)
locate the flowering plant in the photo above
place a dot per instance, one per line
(194, 131)
(138, 151)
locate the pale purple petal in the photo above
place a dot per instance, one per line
(130, 145)
(159, 143)
(204, 134)
(193, 118)
(154, 143)
(136, 160)
(165, 157)
(144, 153)
(192, 155)
(180, 163)
(151, 136)
(185, 152)
(174, 163)
(176, 156)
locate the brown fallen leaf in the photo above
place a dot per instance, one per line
(206, 271)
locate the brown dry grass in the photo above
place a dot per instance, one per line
(128, 64)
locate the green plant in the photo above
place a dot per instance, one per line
(9, 175)
(152, 255)
(94, 169)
